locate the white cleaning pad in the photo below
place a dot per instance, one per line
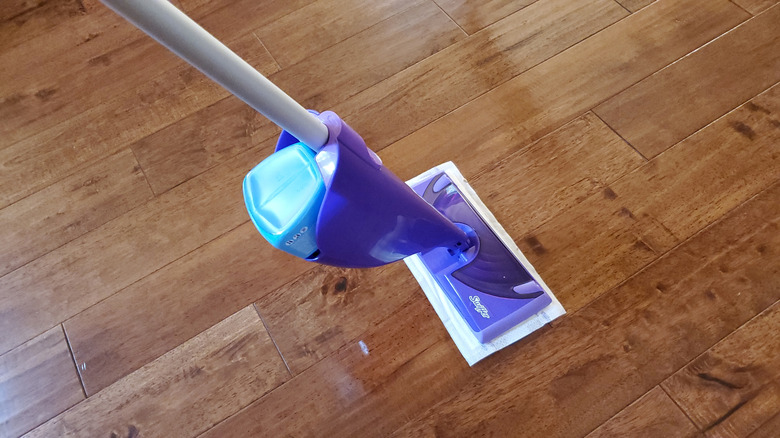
(471, 349)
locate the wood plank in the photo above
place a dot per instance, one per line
(734, 388)
(94, 266)
(62, 50)
(219, 132)
(322, 24)
(12, 8)
(315, 315)
(102, 130)
(681, 99)
(352, 392)
(55, 100)
(269, 10)
(768, 429)
(138, 324)
(199, 146)
(38, 380)
(599, 243)
(572, 377)
(634, 5)
(653, 415)
(646, 329)
(755, 6)
(20, 22)
(187, 390)
(201, 141)
(116, 336)
(473, 16)
(556, 91)
(75, 205)
(369, 56)
(86, 71)
(442, 82)
(557, 172)
(69, 47)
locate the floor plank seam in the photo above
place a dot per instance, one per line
(278, 66)
(758, 427)
(142, 278)
(593, 110)
(75, 364)
(675, 401)
(629, 12)
(143, 171)
(739, 6)
(114, 97)
(268, 330)
(616, 414)
(124, 287)
(678, 245)
(90, 231)
(497, 85)
(736, 408)
(645, 6)
(453, 20)
(675, 61)
(726, 114)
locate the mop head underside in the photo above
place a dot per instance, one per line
(490, 296)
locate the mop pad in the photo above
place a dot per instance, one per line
(468, 345)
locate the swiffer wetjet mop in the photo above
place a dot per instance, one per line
(326, 197)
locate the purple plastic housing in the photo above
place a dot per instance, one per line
(369, 217)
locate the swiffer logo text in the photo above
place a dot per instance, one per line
(482, 310)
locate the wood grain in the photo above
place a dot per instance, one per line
(184, 392)
(37, 381)
(599, 243)
(369, 56)
(94, 266)
(473, 16)
(334, 21)
(62, 49)
(536, 102)
(768, 429)
(43, 103)
(627, 342)
(634, 5)
(75, 205)
(236, 10)
(556, 173)
(733, 388)
(201, 141)
(13, 8)
(570, 378)
(221, 131)
(352, 392)
(653, 415)
(20, 21)
(40, 160)
(182, 321)
(444, 81)
(681, 99)
(755, 6)
(117, 336)
(327, 308)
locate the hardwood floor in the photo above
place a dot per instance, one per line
(630, 147)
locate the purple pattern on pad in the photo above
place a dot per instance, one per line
(488, 285)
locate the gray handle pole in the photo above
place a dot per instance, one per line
(179, 33)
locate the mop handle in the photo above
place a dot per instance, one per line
(179, 33)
